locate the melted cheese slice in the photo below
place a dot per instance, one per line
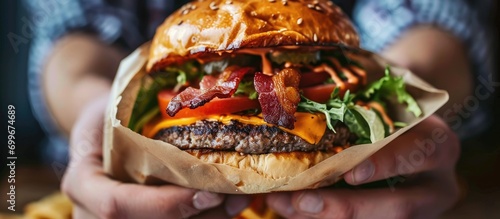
(309, 127)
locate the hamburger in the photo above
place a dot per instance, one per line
(262, 85)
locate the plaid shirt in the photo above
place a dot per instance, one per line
(129, 23)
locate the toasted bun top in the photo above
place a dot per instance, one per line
(224, 25)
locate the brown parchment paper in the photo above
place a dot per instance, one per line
(131, 157)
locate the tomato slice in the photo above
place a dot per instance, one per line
(215, 106)
(319, 93)
(313, 87)
(312, 78)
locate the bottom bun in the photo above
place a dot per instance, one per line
(272, 165)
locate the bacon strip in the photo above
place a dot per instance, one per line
(210, 87)
(279, 96)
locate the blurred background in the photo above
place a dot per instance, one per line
(36, 178)
(14, 80)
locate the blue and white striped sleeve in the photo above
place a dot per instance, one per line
(52, 20)
(381, 22)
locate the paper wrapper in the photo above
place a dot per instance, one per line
(131, 157)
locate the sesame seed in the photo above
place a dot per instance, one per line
(299, 21)
(315, 38)
(315, 2)
(310, 5)
(193, 7)
(213, 6)
(228, 2)
(318, 8)
(185, 12)
(253, 13)
(284, 2)
(329, 3)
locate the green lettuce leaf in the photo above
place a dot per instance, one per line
(146, 103)
(366, 124)
(388, 86)
(357, 125)
(247, 88)
(334, 110)
(184, 73)
(375, 125)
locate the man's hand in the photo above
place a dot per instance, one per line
(96, 195)
(422, 163)
(80, 69)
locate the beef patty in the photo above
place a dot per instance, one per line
(249, 139)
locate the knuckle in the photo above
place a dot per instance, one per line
(109, 206)
(68, 187)
(341, 210)
(454, 193)
(394, 166)
(434, 159)
(65, 187)
(403, 209)
(454, 147)
(165, 205)
(449, 153)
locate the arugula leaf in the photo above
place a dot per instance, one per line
(375, 125)
(334, 110)
(366, 124)
(388, 86)
(357, 125)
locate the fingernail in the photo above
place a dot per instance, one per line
(203, 200)
(310, 202)
(282, 203)
(363, 172)
(236, 203)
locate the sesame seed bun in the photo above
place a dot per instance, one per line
(219, 26)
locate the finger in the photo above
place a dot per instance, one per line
(81, 213)
(218, 212)
(234, 204)
(428, 146)
(87, 132)
(426, 200)
(89, 187)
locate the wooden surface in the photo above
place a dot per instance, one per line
(479, 172)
